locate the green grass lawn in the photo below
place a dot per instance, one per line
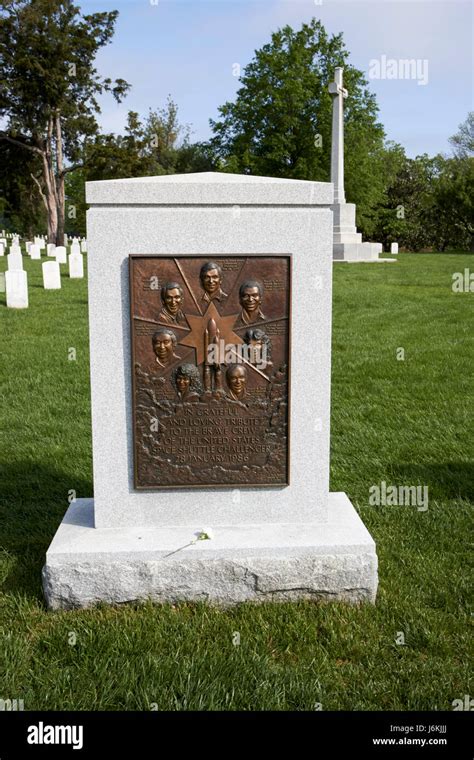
(404, 422)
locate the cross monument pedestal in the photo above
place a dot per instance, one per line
(347, 242)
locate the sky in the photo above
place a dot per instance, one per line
(188, 49)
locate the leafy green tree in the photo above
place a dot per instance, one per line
(463, 140)
(20, 210)
(155, 145)
(412, 192)
(162, 144)
(280, 122)
(388, 217)
(50, 89)
(154, 142)
(453, 203)
(75, 202)
(428, 202)
(405, 213)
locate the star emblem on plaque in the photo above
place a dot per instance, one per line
(210, 368)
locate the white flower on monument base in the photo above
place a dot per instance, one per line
(15, 261)
(61, 254)
(16, 285)
(205, 534)
(35, 251)
(51, 275)
(76, 266)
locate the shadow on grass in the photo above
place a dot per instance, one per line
(451, 480)
(33, 501)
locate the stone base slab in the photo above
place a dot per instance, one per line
(347, 242)
(362, 261)
(335, 560)
(358, 252)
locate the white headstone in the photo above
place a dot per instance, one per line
(15, 261)
(2, 282)
(84, 246)
(394, 248)
(35, 252)
(15, 248)
(51, 275)
(61, 254)
(75, 247)
(42, 244)
(28, 244)
(50, 249)
(2, 249)
(76, 266)
(16, 285)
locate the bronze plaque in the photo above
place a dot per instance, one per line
(210, 362)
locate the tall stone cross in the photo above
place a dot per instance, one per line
(337, 146)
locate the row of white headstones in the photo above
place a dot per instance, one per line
(14, 282)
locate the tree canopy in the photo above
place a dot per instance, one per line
(463, 141)
(280, 122)
(155, 144)
(48, 100)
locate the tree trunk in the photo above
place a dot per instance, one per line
(50, 185)
(60, 215)
(60, 196)
(50, 200)
(53, 193)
